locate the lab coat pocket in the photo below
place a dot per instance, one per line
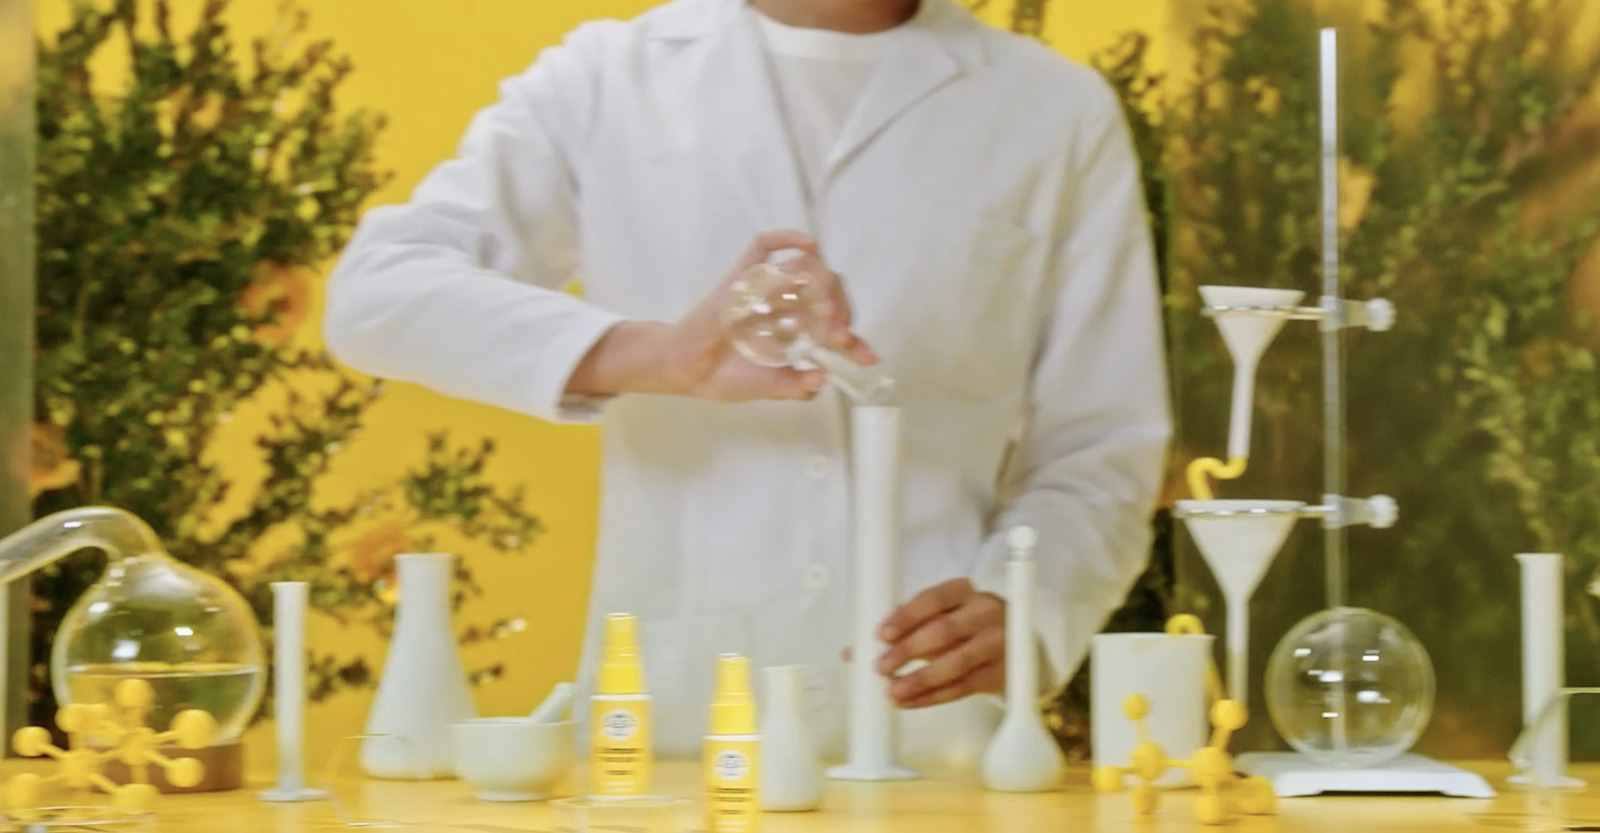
(972, 316)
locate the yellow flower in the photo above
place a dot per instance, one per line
(281, 294)
(372, 554)
(1355, 194)
(52, 464)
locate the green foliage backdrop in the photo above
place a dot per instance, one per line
(181, 209)
(1472, 206)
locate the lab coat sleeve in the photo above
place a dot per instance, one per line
(1088, 466)
(460, 288)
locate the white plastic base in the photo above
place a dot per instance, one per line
(1296, 776)
(279, 796)
(1560, 782)
(863, 772)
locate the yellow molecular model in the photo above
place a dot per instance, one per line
(1222, 792)
(132, 743)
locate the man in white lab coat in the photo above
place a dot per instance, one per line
(979, 200)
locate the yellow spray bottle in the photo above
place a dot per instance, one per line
(620, 749)
(732, 751)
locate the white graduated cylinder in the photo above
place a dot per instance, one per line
(875, 468)
(1543, 663)
(1169, 670)
(791, 768)
(290, 600)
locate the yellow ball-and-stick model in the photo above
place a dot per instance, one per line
(1222, 793)
(132, 743)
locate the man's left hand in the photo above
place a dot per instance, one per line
(959, 632)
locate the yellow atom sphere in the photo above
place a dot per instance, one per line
(1185, 624)
(137, 746)
(136, 797)
(1256, 797)
(76, 767)
(1107, 779)
(31, 741)
(1211, 766)
(195, 728)
(1145, 799)
(1229, 715)
(134, 694)
(22, 792)
(185, 773)
(1211, 809)
(74, 719)
(1149, 761)
(1135, 707)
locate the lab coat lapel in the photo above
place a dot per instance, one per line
(922, 56)
(747, 133)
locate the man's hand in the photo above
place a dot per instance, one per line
(961, 635)
(693, 357)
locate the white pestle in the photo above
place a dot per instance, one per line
(289, 602)
(875, 458)
(557, 705)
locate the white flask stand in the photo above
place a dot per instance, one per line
(1239, 539)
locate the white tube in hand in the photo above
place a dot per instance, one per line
(873, 739)
(289, 602)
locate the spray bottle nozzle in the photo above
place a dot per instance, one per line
(733, 708)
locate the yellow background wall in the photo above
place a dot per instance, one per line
(429, 66)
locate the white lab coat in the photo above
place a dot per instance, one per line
(984, 209)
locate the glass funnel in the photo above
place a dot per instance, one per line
(188, 634)
(778, 317)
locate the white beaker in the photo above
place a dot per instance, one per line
(1169, 670)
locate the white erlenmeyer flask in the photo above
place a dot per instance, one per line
(423, 690)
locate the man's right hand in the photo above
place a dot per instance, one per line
(693, 357)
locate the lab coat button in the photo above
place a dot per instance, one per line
(816, 576)
(817, 466)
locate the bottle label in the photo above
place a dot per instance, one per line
(619, 725)
(620, 748)
(732, 784)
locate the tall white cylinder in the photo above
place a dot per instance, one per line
(1543, 663)
(1169, 670)
(875, 470)
(289, 603)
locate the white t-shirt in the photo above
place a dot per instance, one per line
(820, 75)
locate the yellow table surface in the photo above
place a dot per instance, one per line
(953, 802)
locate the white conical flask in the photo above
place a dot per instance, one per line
(792, 775)
(423, 690)
(1022, 756)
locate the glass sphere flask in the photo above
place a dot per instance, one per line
(1350, 688)
(190, 635)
